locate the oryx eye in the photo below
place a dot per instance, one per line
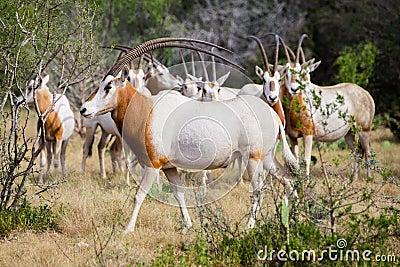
(107, 89)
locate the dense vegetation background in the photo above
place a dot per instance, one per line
(334, 27)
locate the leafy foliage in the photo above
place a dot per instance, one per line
(40, 218)
(356, 65)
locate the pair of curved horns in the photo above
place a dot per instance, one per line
(299, 50)
(125, 49)
(264, 54)
(163, 43)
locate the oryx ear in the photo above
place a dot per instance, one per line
(195, 79)
(314, 66)
(222, 79)
(45, 80)
(310, 64)
(259, 72)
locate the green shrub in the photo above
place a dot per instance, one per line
(24, 217)
(356, 64)
(260, 246)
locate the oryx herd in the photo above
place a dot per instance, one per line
(165, 122)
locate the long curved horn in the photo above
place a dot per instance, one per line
(136, 52)
(302, 55)
(299, 46)
(193, 66)
(184, 63)
(214, 69)
(286, 50)
(140, 62)
(276, 52)
(263, 53)
(179, 39)
(126, 49)
(203, 64)
(276, 49)
(292, 53)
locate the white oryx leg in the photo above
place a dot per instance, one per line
(350, 140)
(131, 163)
(62, 156)
(364, 139)
(255, 172)
(183, 176)
(49, 156)
(149, 176)
(116, 154)
(203, 175)
(87, 146)
(294, 146)
(237, 157)
(42, 164)
(176, 184)
(57, 151)
(101, 150)
(307, 139)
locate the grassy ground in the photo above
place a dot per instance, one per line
(93, 213)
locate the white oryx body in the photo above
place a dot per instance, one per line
(170, 131)
(59, 124)
(251, 89)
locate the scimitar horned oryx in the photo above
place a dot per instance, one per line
(58, 125)
(244, 124)
(340, 106)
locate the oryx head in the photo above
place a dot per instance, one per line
(35, 84)
(297, 76)
(160, 77)
(136, 77)
(211, 89)
(192, 87)
(270, 78)
(105, 98)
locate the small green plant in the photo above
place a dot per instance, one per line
(25, 216)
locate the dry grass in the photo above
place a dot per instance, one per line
(93, 209)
